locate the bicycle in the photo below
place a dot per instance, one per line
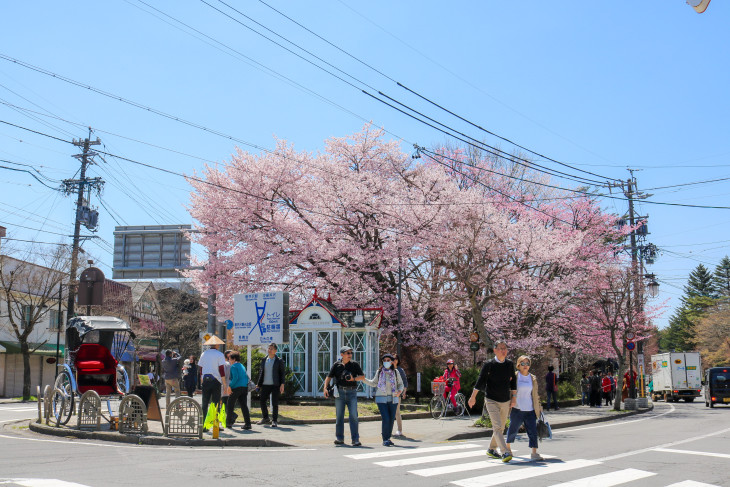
(438, 406)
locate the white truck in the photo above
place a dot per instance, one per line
(676, 375)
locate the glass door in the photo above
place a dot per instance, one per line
(299, 360)
(324, 358)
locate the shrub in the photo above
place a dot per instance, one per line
(566, 391)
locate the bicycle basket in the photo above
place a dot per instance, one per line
(438, 387)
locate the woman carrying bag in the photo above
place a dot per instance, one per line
(528, 408)
(389, 387)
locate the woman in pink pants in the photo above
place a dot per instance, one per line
(451, 376)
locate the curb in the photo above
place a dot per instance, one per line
(150, 440)
(487, 432)
(360, 419)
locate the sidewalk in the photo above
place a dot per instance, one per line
(307, 435)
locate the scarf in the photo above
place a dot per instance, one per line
(388, 375)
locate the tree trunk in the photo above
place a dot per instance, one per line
(619, 382)
(25, 350)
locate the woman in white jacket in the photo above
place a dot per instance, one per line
(388, 388)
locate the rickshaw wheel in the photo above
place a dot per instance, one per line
(123, 380)
(63, 409)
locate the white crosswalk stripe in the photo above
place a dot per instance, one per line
(431, 458)
(465, 467)
(510, 476)
(608, 479)
(412, 451)
(691, 483)
(689, 452)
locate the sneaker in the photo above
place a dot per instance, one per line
(274, 424)
(493, 453)
(339, 442)
(264, 421)
(356, 443)
(535, 457)
(506, 456)
(398, 433)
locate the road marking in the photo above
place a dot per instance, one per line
(665, 445)
(18, 409)
(465, 467)
(41, 483)
(691, 483)
(608, 479)
(511, 476)
(612, 424)
(431, 458)
(13, 420)
(689, 452)
(414, 451)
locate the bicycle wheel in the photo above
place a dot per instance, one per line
(460, 405)
(437, 407)
(62, 387)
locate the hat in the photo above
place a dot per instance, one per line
(450, 361)
(345, 348)
(386, 355)
(214, 340)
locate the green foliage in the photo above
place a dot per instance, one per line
(721, 277)
(469, 376)
(566, 391)
(699, 283)
(257, 357)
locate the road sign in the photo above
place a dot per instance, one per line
(474, 337)
(630, 335)
(260, 318)
(630, 345)
(474, 346)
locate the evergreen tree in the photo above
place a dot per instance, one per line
(700, 283)
(721, 277)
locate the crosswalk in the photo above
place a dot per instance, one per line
(458, 465)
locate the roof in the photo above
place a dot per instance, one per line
(87, 323)
(345, 317)
(45, 349)
(138, 289)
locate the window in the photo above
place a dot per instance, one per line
(314, 316)
(25, 319)
(54, 319)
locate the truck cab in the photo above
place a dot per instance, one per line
(717, 386)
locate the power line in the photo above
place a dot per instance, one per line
(689, 184)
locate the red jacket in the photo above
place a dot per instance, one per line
(455, 374)
(606, 384)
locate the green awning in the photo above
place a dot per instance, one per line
(47, 349)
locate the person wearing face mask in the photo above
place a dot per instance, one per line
(388, 388)
(452, 377)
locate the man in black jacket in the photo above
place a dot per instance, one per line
(498, 377)
(271, 383)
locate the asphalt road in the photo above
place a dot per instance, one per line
(682, 445)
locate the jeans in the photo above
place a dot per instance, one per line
(554, 396)
(387, 413)
(516, 418)
(272, 391)
(348, 398)
(240, 395)
(585, 398)
(211, 391)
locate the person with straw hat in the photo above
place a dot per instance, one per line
(212, 369)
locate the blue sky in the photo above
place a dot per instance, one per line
(601, 87)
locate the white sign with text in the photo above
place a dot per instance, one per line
(260, 318)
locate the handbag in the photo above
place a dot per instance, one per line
(543, 428)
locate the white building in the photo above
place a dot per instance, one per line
(42, 340)
(316, 333)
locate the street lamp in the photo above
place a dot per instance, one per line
(653, 286)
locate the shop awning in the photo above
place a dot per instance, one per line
(47, 349)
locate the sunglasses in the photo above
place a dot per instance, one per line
(348, 353)
(525, 364)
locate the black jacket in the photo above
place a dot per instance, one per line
(278, 372)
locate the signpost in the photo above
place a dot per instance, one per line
(630, 346)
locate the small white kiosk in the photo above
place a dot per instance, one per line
(316, 333)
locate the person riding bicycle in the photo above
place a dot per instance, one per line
(451, 377)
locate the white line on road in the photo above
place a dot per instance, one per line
(608, 479)
(665, 445)
(612, 424)
(511, 476)
(431, 458)
(215, 449)
(691, 483)
(414, 451)
(465, 467)
(41, 483)
(689, 452)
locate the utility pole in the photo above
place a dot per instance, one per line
(634, 271)
(81, 185)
